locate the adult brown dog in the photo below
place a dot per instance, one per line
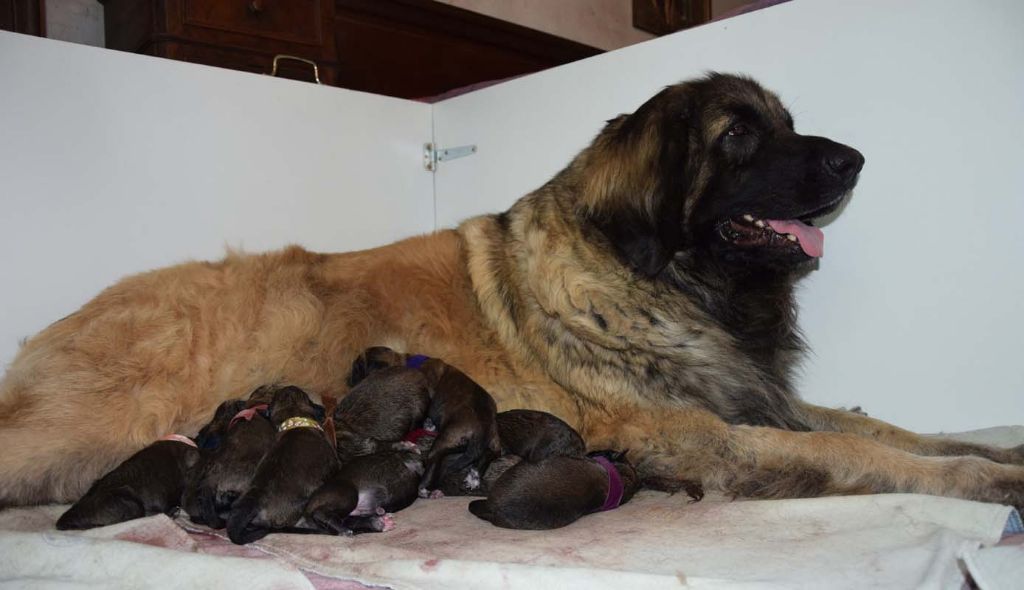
(643, 295)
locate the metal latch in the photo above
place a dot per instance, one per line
(432, 155)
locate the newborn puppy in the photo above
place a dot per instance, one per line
(358, 498)
(466, 481)
(300, 461)
(379, 411)
(208, 440)
(535, 436)
(465, 417)
(372, 360)
(462, 412)
(558, 490)
(228, 470)
(149, 482)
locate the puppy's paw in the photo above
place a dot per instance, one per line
(472, 481)
(406, 446)
(423, 493)
(434, 495)
(387, 522)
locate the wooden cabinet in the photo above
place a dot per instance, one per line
(407, 48)
(236, 34)
(23, 16)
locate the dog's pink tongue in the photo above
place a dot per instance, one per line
(812, 239)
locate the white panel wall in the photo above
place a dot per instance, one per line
(917, 313)
(112, 163)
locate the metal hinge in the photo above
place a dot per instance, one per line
(433, 155)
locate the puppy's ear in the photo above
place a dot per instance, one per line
(360, 369)
(635, 181)
(319, 413)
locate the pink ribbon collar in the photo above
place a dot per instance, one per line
(247, 414)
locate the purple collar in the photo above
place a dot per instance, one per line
(416, 361)
(615, 487)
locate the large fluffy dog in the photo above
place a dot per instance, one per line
(644, 295)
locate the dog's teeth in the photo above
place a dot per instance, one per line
(791, 237)
(759, 224)
(748, 217)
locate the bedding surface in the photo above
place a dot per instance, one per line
(655, 541)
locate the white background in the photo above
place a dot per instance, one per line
(111, 163)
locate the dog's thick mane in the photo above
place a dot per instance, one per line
(694, 334)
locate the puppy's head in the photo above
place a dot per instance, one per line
(374, 359)
(209, 436)
(713, 167)
(264, 394)
(292, 402)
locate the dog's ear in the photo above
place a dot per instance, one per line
(360, 370)
(319, 413)
(636, 179)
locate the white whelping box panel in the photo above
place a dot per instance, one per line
(113, 163)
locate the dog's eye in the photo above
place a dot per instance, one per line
(738, 129)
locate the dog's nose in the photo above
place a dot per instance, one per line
(843, 162)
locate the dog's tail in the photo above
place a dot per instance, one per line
(241, 529)
(481, 509)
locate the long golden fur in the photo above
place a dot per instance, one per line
(580, 300)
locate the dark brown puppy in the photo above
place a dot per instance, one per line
(149, 482)
(462, 412)
(465, 417)
(209, 441)
(465, 481)
(380, 410)
(228, 470)
(358, 498)
(557, 491)
(535, 436)
(300, 461)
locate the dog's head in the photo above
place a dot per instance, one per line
(209, 436)
(374, 359)
(292, 402)
(713, 166)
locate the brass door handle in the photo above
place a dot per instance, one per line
(277, 58)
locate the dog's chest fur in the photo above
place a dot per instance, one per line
(693, 338)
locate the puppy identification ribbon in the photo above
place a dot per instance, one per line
(247, 414)
(180, 438)
(299, 422)
(416, 361)
(615, 487)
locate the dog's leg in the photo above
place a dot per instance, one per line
(828, 419)
(693, 444)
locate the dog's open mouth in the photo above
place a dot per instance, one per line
(794, 235)
(788, 234)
